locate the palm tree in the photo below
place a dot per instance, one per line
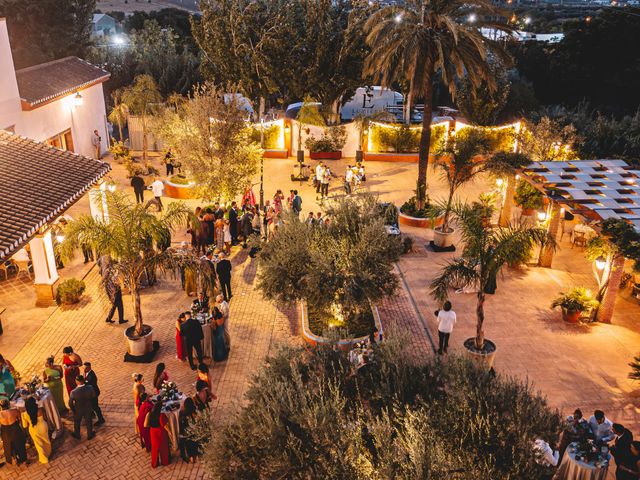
(486, 252)
(128, 238)
(412, 41)
(119, 113)
(139, 97)
(460, 163)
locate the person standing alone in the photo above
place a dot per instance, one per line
(223, 269)
(114, 292)
(96, 141)
(137, 182)
(446, 321)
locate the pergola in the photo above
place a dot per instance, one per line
(596, 190)
(38, 184)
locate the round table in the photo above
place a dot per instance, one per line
(572, 469)
(51, 413)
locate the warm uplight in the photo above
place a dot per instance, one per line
(78, 100)
(601, 262)
(517, 177)
(59, 238)
(499, 182)
(542, 216)
(111, 187)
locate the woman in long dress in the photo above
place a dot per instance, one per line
(220, 351)
(157, 422)
(179, 351)
(144, 407)
(7, 382)
(160, 376)
(71, 362)
(219, 234)
(138, 390)
(33, 420)
(188, 447)
(52, 376)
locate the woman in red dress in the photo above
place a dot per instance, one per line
(71, 363)
(144, 407)
(160, 377)
(156, 421)
(179, 350)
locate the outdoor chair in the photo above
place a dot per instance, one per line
(567, 228)
(6, 266)
(23, 266)
(579, 239)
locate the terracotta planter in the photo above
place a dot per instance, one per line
(325, 155)
(571, 316)
(443, 239)
(177, 190)
(418, 222)
(139, 346)
(343, 343)
(482, 359)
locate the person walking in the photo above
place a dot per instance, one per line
(96, 141)
(192, 331)
(81, 403)
(157, 187)
(446, 321)
(91, 378)
(114, 292)
(223, 269)
(233, 223)
(137, 182)
(33, 421)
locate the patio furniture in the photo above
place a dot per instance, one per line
(573, 469)
(6, 266)
(567, 227)
(579, 239)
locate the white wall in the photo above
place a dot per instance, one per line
(10, 109)
(48, 120)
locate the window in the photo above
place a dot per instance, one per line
(62, 141)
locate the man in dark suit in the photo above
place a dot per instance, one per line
(114, 292)
(223, 269)
(137, 182)
(191, 330)
(81, 403)
(90, 378)
(621, 449)
(233, 223)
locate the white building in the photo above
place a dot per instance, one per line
(103, 25)
(59, 103)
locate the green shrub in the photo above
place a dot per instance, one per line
(120, 151)
(332, 140)
(180, 179)
(402, 139)
(270, 135)
(527, 196)
(309, 416)
(70, 291)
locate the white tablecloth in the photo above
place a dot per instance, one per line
(51, 414)
(572, 469)
(585, 229)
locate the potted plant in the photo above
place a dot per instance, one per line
(486, 252)
(459, 162)
(70, 291)
(338, 271)
(129, 239)
(329, 146)
(528, 198)
(574, 303)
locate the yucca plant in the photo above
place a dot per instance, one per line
(486, 252)
(414, 40)
(128, 238)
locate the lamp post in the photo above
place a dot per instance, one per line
(601, 272)
(262, 165)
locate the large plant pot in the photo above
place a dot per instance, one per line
(325, 155)
(441, 238)
(418, 222)
(483, 358)
(178, 190)
(139, 346)
(343, 343)
(571, 316)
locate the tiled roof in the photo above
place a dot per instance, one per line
(595, 189)
(38, 183)
(48, 81)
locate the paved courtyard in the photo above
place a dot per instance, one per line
(575, 366)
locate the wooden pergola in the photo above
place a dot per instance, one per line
(596, 190)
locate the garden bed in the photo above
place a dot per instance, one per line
(313, 321)
(325, 155)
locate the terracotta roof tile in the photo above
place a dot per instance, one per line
(47, 81)
(38, 183)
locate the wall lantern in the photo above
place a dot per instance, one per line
(78, 100)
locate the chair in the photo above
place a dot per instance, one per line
(579, 238)
(567, 228)
(5, 267)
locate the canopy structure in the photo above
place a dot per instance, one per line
(595, 189)
(38, 183)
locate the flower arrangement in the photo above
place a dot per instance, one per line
(33, 385)
(169, 391)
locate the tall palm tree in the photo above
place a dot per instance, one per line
(128, 238)
(140, 97)
(413, 40)
(486, 252)
(119, 113)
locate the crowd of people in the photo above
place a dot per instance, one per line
(30, 424)
(353, 178)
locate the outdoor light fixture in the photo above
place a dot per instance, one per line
(112, 187)
(118, 40)
(527, 20)
(59, 238)
(517, 177)
(542, 216)
(472, 18)
(78, 100)
(499, 182)
(398, 18)
(601, 262)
